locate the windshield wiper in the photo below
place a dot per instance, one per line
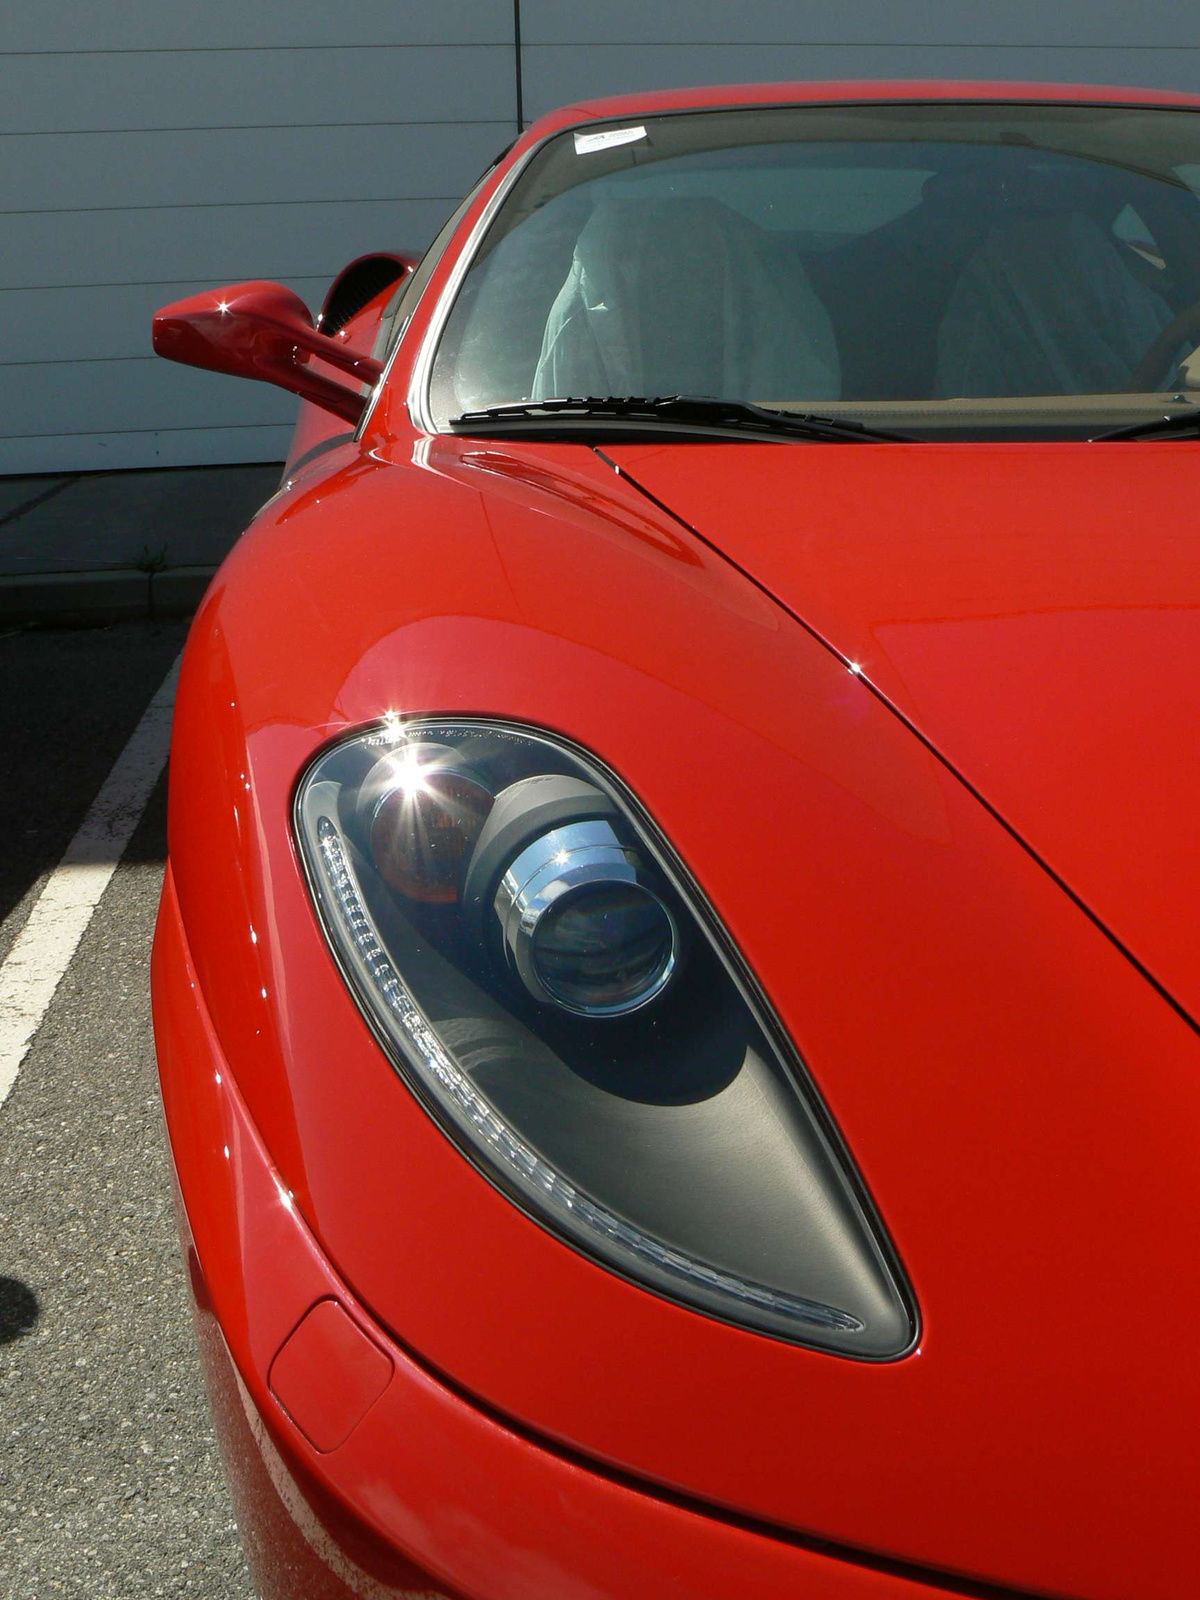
(680, 410)
(1170, 422)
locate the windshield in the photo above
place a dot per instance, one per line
(985, 270)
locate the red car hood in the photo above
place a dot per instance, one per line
(1022, 1107)
(1032, 610)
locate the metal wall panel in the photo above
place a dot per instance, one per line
(573, 51)
(149, 150)
(138, 25)
(108, 323)
(127, 395)
(235, 166)
(215, 244)
(571, 74)
(254, 88)
(151, 447)
(146, 149)
(1108, 24)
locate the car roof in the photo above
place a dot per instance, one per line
(730, 95)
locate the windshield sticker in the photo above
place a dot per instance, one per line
(585, 143)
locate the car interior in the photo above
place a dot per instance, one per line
(919, 273)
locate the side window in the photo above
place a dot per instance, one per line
(403, 303)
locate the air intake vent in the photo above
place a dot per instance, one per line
(357, 287)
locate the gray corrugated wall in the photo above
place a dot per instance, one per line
(147, 150)
(572, 48)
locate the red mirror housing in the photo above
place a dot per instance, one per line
(262, 330)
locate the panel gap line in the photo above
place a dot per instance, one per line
(924, 739)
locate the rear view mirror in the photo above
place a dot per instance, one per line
(262, 330)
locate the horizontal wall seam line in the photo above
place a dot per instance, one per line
(149, 433)
(252, 127)
(80, 361)
(833, 44)
(204, 280)
(218, 205)
(618, 44)
(623, 44)
(251, 49)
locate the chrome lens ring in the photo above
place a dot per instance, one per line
(558, 869)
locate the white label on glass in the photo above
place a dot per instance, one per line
(585, 143)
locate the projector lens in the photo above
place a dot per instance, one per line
(605, 948)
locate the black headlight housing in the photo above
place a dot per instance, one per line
(546, 978)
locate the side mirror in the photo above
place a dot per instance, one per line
(262, 330)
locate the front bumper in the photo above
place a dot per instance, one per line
(410, 1489)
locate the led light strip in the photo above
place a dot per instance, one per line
(356, 932)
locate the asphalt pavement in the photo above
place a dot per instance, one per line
(110, 1483)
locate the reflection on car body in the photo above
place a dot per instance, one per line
(675, 988)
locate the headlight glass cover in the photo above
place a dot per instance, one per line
(545, 977)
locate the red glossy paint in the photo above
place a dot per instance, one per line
(848, 90)
(1033, 609)
(314, 424)
(328, 1375)
(262, 330)
(980, 1043)
(1022, 1104)
(426, 1496)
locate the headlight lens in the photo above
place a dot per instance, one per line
(542, 974)
(583, 923)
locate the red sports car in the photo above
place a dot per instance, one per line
(677, 984)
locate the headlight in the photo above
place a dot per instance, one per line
(541, 972)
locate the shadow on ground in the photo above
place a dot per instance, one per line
(19, 1310)
(71, 700)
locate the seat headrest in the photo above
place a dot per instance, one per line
(1017, 185)
(667, 235)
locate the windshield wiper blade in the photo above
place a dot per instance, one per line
(1170, 422)
(699, 411)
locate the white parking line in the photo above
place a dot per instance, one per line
(42, 951)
